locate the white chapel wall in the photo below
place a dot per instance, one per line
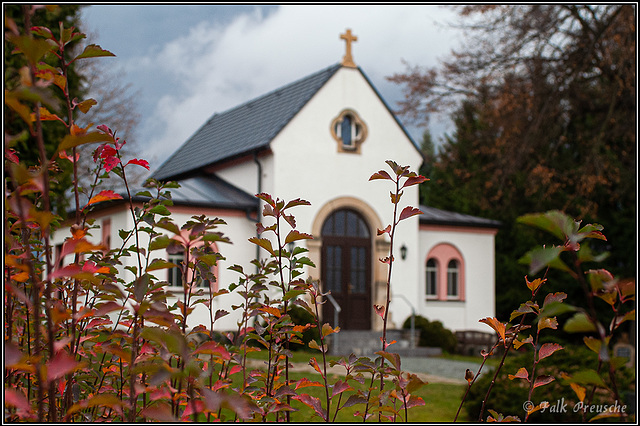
(477, 248)
(308, 164)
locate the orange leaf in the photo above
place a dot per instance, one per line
(314, 364)
(105, 195)
(271, 310)
(521, 374)
(304, 382)
(499, 327)
(20, 277)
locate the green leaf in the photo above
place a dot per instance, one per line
(160, 264)
(161, 242)
(161, 210)
(588, 377)
(141, 287)
(579, 323)
(554, 222)
(541, 257)
(71, 141)
(552, 309)
(98, 400)
(394, 359)
(85, 106)
(166, 223)
(546, 322)
(33, 49)
(292, 294)
(93, 51)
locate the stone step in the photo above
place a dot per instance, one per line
(367, 343)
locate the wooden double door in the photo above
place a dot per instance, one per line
(346, 269)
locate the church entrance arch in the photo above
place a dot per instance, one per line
(356, 213)
(346, 268)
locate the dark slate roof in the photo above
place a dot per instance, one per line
(203, 190)
(211, 191)
(247, 128)
(433, 216)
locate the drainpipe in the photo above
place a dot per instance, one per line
(258, 213)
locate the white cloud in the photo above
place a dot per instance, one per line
(214, 67)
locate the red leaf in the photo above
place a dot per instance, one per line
(63, 154)
(543, 380)
(314, 403)
(60, 364)
(17, 399)
(103, 128)
(554, 297)
(386, 345)
(67, 271)
(297, 202)
(212, 348)
(91, 267)
(159, 412)
(379, 310)
(380, 175)
(104, 195)
(78, 246)
(409, 211)
(386, 230)
(143, 163)
(414, 401)
(414, 180)
(108, 151)
(340, 387)
(548, 349)
(110, 163)
(10, 154)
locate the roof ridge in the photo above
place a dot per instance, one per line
(279, 89)
(225, 138)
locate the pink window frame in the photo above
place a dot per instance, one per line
(443, 253)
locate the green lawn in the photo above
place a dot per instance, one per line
(441, 400)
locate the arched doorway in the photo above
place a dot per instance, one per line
(346, 268)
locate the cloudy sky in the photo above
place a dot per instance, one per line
(189, 62)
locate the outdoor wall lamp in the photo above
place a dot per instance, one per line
(403, 252)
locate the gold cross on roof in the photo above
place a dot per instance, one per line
(347, 61)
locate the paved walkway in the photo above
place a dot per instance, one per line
(440, 369)
(430, 369)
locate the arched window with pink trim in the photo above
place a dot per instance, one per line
(444, 273)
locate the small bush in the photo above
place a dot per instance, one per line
(300, 316)
(433, 333)
(509, 396)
